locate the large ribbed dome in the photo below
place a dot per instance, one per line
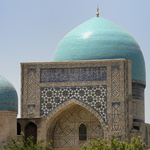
(8, 95)
(98, 39)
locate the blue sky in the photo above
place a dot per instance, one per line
(30, 30)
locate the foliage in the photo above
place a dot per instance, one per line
(26, 144)
(116, 144)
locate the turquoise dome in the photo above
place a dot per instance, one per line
(8, 95)
(98, 39)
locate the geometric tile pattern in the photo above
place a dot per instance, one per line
(66, 132)
(93, 96)
(115, 81)
(31, 91)
(73, 74)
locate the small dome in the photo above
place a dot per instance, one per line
(8, 95)
(98, 39)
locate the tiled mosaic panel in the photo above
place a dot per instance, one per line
(32, 110)
(138, 91)
(116, 116)
(73, 74)
(115, 81)
(66, 133)
(31, 84)
(93, 96)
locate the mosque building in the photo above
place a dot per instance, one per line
(93, 88)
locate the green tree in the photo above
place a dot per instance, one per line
(26, 144)
(116, 144)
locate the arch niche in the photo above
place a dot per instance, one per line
(18, 129)
(65, 125)
(31, 130)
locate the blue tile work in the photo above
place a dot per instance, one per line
(8, 95)
(73, 74)
(31, 105)
(115, 67)
(115, 103)
(138, 120)
(93, 96)
(138, 91)
(32, 70)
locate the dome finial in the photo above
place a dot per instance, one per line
(97, 11)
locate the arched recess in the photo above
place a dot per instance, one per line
(65, 122)
(18, 129)
(82, 132)
(31, 130)
(146, 135)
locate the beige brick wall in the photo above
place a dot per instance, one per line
(8, 125)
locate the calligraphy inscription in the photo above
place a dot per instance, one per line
(73, 74)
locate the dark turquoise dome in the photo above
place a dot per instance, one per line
(8, 95)
(98, 39)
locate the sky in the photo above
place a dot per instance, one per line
(30, 30)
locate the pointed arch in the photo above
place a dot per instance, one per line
(53, 116)
(69, 103)
(72, 126)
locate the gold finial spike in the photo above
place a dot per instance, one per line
(97, 12)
